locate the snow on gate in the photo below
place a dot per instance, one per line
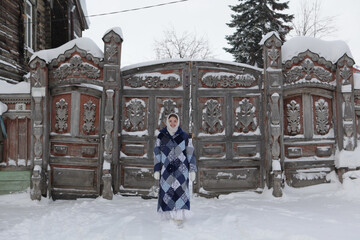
(93, 124)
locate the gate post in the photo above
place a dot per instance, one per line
(39, 126)
(273, 100)
(346, 130)
(345, 103)
(112, 58)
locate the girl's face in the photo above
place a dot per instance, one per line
(173, 121)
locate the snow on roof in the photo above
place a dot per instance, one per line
(330, 50)
(84, 43)
(117, 30)
(267, 36)
(8, 88)
(356, 80)
(175, 60)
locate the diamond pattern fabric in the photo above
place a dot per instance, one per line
(174, 158)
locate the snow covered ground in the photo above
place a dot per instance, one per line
(326, 212)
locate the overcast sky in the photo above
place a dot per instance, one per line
(204, 17)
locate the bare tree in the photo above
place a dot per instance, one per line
(186, 45)
(308, 20)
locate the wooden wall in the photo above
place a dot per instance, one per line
(50, 26)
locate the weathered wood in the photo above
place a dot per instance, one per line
(13, 181)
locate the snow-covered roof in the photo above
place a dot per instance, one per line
(117, 30)
(19, 88)
(267, 36)
(330, 50)
(175, 60)
(84, 43)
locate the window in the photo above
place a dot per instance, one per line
(28, 25)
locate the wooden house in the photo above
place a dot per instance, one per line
(27, 26)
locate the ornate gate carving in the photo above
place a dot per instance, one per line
(219, 105)
(226, 111)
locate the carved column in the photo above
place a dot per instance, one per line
(345, 87)
(38, 129)
(273, 101)
(347, 135)
(112, 58)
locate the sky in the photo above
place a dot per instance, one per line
(206, 18)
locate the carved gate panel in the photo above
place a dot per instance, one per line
(149, 94)
(75, 142)
(227, 127)
(309, 136)
(219, 105)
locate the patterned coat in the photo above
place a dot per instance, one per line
(174, 158)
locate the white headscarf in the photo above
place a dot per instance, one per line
(171, 130)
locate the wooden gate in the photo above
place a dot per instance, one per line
(227, 117)
(309, 120)
(74, 142)
(149, 94)
(219, 105)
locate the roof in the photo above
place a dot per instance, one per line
(330, 50)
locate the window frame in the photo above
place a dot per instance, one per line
(28, 33)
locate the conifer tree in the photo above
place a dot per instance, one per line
(252, 20)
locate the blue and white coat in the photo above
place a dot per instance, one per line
(174, 159)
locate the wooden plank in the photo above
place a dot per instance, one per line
(14, 181)
(14, 185)
(15, 176)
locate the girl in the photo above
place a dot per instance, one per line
(174, 165)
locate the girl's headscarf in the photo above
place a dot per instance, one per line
(173, 130)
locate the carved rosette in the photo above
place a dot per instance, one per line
(135, 115)
(61, 115)
(322, 116)
(168, 106)
(211, 117)
(75, 68)
(293, 117)
(89, 117)
(246, 119)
